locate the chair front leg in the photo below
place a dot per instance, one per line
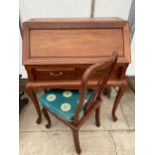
(76, 140)
(45, 113)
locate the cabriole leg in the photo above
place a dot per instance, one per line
(117, 101)
(45, 113)
(32, 95)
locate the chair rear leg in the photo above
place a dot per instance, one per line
(97, 116)
(76, 141)
(45, 113)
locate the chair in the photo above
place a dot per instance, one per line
(74, 107)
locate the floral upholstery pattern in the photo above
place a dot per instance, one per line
(63, 102)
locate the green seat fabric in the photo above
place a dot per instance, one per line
(63, 102)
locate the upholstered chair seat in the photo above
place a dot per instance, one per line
(64, 102)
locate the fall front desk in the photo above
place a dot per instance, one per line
(56, 53)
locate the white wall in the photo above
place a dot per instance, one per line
(54, 9)
(73, 9)
(112, 8)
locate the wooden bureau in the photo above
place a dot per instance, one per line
(56, 52)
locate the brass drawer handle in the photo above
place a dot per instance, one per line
(56, 74)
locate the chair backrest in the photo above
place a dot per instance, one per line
(102, 67)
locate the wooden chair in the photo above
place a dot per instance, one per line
(76, 116)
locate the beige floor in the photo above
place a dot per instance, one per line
(111, 138)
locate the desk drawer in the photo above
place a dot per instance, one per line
(45, 74)
(96, 75)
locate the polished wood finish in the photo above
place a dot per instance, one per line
(94, 102)
(117, 100)
(61, 43)
(46, 74)
(44, 111)
(45, 40)
(33, 96)
(56, 52)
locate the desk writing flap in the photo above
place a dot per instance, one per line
(47, 44)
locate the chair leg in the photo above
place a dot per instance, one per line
(45, 113)
(76, 141)
(107, 92)
(97, 116)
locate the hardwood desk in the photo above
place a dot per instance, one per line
(56, 52)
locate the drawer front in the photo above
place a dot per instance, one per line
(97, 74)
(46, 74)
